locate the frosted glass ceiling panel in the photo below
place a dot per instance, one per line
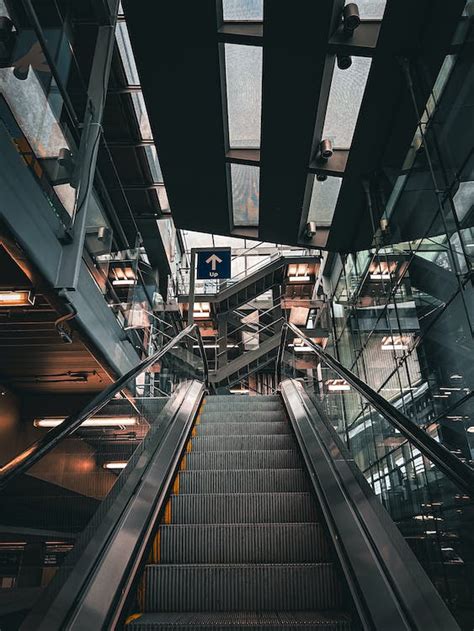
(323, 200)
(345, 98)
(243, 10)
(245, 194)
(125, 48)
(370, 9)
(244, 94)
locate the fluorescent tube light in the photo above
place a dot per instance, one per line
(337, 385)
(115, 465)
(299, 279)
(128, 282)
(104, 421)
(16, 298)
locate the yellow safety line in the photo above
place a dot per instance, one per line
(176, 485)
(182, 466)
(157, 548)
(133, 617)
(168, 512)
(189, 446)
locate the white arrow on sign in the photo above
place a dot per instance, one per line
(213, 260)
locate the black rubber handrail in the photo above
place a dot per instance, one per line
(27, 458)
(461, 474)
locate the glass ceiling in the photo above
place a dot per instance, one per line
(323, 200)
(243, 10)
(345, 98)
(243, 65)
(370, 9)
(245, 194)
(131, 73)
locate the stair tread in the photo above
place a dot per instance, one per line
(242, 618)
(243, 480)
(242, 587)
(219, 508)
(272, 442)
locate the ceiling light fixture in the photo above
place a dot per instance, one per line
(124, 281)
(115, 465)
(344, 61)
(337, 385)
(299, 279)
(395, 343)
(350, 18)
(325, 149)
(18, 298)
(101, 421)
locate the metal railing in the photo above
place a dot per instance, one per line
(28, 457)
(457, 471)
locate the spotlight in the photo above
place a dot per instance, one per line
(325, 149)
(350, 18)
(344, 62)
(65, 160)
(7, 41)
(321, 177)
(310, 229)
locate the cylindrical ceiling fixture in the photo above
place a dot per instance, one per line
(350, 18)
(325, 149)
(344, 61)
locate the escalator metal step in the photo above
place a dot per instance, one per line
(245, 508)
(286, 587)
(229, 460)
(241, 416)
(242, 442)
(236, 620)
(241, 404)
(236, 429)
(243, 481)
(243, 543)
(216, 398)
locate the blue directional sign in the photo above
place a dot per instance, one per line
(213, 263)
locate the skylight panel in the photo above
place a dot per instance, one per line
(370, 9)
(323, 200)
(243, 66)
(126, 53)
(345, 98)
(245, 194)
(242, 10)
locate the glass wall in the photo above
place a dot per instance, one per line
(403, 321)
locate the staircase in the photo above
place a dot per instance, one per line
(247, 363)
(238, 292)
(241, 545)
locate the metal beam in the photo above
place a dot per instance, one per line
(187, 69)
(243, 156)
(68, 276)
(386, 123)
(246, 33)
(297, 76)
(129, 144)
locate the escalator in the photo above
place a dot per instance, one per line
(242, 544)
(253, 512)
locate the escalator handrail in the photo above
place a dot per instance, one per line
(461, 474)
(29, 456)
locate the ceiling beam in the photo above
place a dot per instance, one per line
(246, 33)
(297, 76)
(421, 31)
(182, 83)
